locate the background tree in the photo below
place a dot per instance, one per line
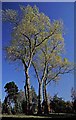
(34, 98)
(69, 107)
(18, 109)
(20, 106)
(34, 101)
(74, 105)
(58, 104)
(12, 91)
(20, 103)
(73, 95)
(6, 108)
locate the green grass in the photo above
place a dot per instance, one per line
(23, 116)
(52, 115)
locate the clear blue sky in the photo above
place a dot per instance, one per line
(64, 11)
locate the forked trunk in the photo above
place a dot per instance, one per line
(27, 87)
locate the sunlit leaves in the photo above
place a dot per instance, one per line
(32, 24)
(65, 60)
(58, 37)
(9, 15)
(36, 33)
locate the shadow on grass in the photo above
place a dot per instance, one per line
(59, 115)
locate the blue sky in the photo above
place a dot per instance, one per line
(64, 11)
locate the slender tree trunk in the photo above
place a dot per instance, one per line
(27, 90)
(43, 91)
(27, 81)
(46, 111)
(27, 87)
(39, 99)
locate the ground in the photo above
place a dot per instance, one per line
(52, 115)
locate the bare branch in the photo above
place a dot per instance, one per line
(26, 36)
(44, 73)
(30, 49)
(54, 47)
(24, 64)
(45, 38)
(59, 73)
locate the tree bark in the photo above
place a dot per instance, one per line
(39, 99)
(27, 87)
(46, 111)
(28, 92)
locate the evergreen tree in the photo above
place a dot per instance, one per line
(11, 97)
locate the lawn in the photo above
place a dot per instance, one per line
(52, 115)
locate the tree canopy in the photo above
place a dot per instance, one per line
(11, 89)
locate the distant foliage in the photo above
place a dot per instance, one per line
(58, 105)
(73, 92)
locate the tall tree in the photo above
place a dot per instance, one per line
(30, 30)
(49, 63)
(54, 74)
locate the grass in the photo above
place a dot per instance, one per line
(52, 115)
(22, 116)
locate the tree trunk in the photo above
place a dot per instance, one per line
(27, 92)
(46, 111)
(39, 99)
(27, 87)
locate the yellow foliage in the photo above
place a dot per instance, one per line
(65, 60)
(58, 36)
